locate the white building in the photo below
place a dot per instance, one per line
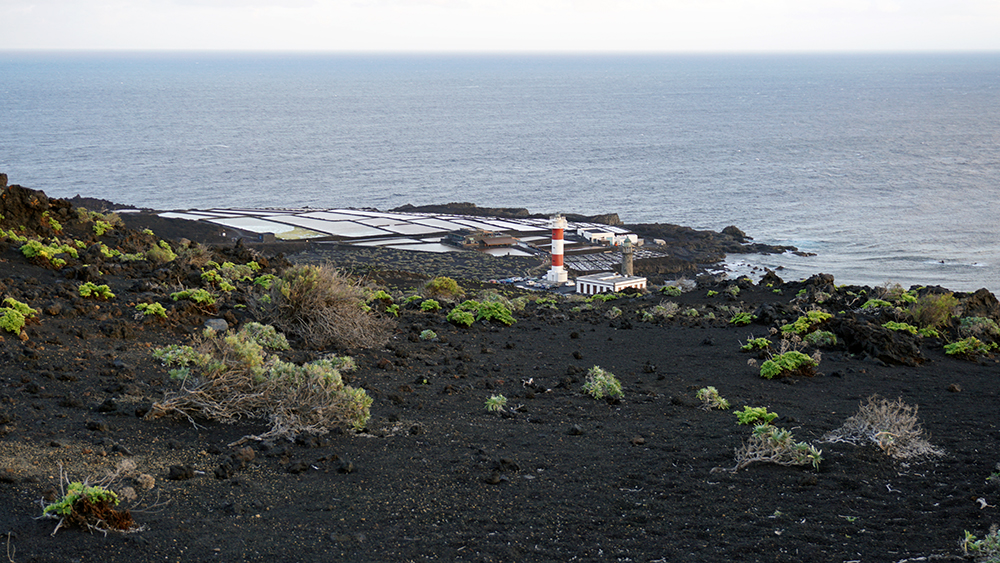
(596, 236)
(612, 282)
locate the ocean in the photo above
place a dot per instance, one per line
(886, 166)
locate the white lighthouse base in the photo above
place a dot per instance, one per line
(556, 275)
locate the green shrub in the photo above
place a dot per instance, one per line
(444, 288)
(753, 415)
(496, 403)
(821, 339)
(710, 399)
(969, 348)
(665, 310)
(770, 444)
(460, 317)
(986, 550)
(381, 295)
(90, 507)
(266, 335)
(742, 319)
(11, 320)
(876, 304)
(53, 224)
(932, 311)
(101, 227)
(22, 308)
(601, 384)
(265, 281)
(792, 362)
(900, 327)
(548, 302)
(671, 290)
(428, 334)
(36, 249)
(978, 327)
(430, 305)
(490, 311)
(756, 344)
(807, 322)
(161, 254)
(89, 289)
(199, 296)
(495, 311)
(712, 293)
(76, 492)
(152, 309)
(929, 332)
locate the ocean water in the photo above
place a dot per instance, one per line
(886, 166)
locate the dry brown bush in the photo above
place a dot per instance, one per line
(890, 425)
(234, 378)
(324, 308)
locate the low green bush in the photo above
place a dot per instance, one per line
(969, 348)
(148, 309)
(22, 308)
(101, 227)
(601, 384)
(490, 311)
(807, 322)
(986, 550)
(430, 305)
(89, 289)
(671, 290)
(14, 314)
(90, 507)
(821, 339)
(461, 317)
(900, 327)
(756, 344)
(443, 287)
(792, 362)
(978, 327)
(199, 296)
(742, 319)
(11, 320)
(770, 444)
(710, 399)
(754, 415)
(496, 403)
(933, 310)
(876, 304)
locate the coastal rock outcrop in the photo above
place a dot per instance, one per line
(889, 346)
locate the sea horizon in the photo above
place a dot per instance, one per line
(883, 164)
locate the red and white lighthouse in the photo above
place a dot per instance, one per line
(556, 273)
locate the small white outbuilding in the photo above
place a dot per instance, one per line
(608, 282)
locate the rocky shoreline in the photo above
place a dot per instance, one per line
(555, 475)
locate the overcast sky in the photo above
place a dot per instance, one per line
(503, 25)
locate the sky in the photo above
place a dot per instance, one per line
(681, 26)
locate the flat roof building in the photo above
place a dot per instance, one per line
(611, 282)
